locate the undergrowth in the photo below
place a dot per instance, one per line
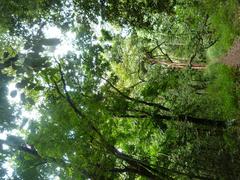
(224, 20)
(221, 92)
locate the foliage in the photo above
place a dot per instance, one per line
(224, 22)
(223, 87)
(126, 102)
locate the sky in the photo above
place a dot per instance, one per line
(67, 40)
(66, 45)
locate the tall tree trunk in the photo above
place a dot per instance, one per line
(176, 65)
(180, 118)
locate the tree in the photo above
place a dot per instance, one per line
(110, 109)
(133, 13)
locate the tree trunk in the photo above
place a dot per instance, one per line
(177, 65)
(181, 118)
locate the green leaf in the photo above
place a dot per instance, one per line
(5, 54)
(22, 84)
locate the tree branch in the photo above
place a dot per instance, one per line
(9, 62)
(136, 100)
(68, 98)
(22, 147)
(165, 54)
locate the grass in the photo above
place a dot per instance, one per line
(221, 94)
(221, 91)
(224, 20)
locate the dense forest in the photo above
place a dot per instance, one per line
(119, 89)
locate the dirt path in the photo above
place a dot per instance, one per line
(232, 58)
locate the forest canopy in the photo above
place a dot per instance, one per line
(119, 89)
